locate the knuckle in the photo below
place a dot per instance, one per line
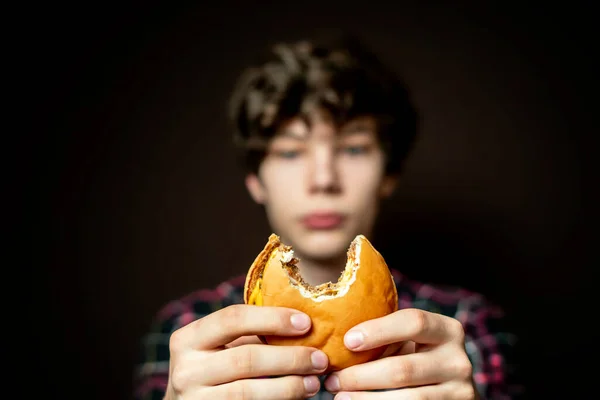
(298, 360)
(470, 392)
(349, 381)
(276, 324)
(243, 360)
(466, 392)
(238, 390)
(457, 329)
(176, 340)
(462, 368)
(231, 316)
(295, 390)
(187, 372)
(419, 320)
(402, 372)
(179, 379)
(378, 333)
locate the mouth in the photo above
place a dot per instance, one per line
(323, 220)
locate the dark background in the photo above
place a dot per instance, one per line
(127, 183)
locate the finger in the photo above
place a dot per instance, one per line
(407, 347)
(261, 360)
(416, 369)
(444, 391)
(282, 388)
(408, 324)
(230, 323)
(399, 348)
(243, 341)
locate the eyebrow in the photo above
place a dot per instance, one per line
(357, 126)
(353, 129)
(359, 130)
(293, 135)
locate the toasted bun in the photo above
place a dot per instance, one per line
(365, 290)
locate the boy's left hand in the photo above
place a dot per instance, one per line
(426, 359)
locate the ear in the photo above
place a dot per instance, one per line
(255, 188)
(388, 185)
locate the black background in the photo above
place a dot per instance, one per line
(126, 177)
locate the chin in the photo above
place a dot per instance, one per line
(325, 244)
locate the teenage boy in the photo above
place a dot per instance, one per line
(324, 131)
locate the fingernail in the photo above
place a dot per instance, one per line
(319, 360)
(353, 339)
(300, 321)
(332, 383)
(342, 396)
(311, 384)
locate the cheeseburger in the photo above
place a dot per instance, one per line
(365, 290)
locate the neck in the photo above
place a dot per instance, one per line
(316, 272)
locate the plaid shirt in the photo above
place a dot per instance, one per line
(489, 348)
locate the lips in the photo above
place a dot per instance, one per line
(323, 220)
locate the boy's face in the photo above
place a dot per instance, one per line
(321, 185)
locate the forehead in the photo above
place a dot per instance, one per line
(322, 126)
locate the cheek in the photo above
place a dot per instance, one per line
(281, 182)
(362, 181)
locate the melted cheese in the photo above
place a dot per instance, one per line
(256, 295)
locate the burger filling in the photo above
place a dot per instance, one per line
(256, 294)
(324, 291)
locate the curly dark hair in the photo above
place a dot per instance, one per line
(341, 76)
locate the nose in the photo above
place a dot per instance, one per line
(323, 174)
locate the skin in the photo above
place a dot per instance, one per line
(312, 168)
(322, 168)
(215, 357)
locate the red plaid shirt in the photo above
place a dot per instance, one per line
(488, 346)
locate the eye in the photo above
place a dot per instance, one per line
(355, 150)
(287, 154)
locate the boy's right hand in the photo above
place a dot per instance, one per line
(220, 357)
